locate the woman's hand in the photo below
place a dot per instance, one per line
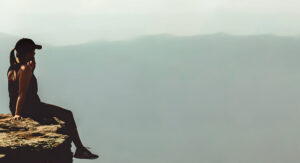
(31, 64)
(16, 117)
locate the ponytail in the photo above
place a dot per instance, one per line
(11, 73)
(12, 57)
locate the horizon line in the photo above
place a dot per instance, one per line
(145, 36)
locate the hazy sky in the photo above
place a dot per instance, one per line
(75, 21)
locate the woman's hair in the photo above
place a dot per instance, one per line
(12, 74)
(13, 59)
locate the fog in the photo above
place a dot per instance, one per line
(69, 22)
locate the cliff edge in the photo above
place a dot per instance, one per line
(31, 141)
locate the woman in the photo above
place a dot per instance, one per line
(24, 100)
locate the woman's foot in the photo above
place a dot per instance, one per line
(84, 153)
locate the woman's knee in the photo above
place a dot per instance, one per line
(68, 113)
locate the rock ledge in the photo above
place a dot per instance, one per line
(31, 141)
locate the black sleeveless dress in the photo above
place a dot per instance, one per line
(32, 100)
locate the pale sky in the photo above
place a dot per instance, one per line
(63, 22)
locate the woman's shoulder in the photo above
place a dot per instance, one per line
(14, 72)
(25, 71)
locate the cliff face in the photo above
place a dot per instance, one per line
(35, 142)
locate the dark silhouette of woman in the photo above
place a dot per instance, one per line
(24, 100)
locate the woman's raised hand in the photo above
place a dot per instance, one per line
(30, 64)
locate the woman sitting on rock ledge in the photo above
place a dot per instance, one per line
(24, 100)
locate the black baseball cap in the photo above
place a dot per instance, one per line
(25, 45)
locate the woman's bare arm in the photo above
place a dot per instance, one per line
(25, 74)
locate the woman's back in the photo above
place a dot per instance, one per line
(32, 98)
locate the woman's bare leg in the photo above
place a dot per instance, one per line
(49, 110)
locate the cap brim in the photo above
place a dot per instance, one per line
(38, 46)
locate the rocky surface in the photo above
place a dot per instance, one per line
(31, 141)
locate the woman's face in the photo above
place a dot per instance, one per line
(30, 57)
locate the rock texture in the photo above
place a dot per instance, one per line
(27, 140)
